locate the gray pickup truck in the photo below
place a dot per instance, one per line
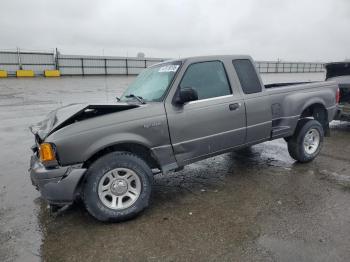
(174, 113)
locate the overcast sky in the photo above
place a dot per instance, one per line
(298, 30)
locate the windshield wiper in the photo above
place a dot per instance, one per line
(138, 98)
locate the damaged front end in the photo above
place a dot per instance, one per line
(58, 184)
(74, 113)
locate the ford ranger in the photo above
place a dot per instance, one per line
(174, 113)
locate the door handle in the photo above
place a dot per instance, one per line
(234, 106)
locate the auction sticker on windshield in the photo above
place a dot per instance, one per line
(168, 68)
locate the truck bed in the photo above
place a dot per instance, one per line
(287, 99)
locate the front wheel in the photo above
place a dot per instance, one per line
(307, 141)
(118, 187)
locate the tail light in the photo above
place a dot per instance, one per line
(337, 97)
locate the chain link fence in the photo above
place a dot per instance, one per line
(38, 61)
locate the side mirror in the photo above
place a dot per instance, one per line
(187, 94)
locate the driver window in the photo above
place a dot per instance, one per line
(208, 79)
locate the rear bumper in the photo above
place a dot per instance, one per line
(56, 185)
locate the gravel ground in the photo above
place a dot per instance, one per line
(251, 205)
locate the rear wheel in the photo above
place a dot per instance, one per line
(118, 187)
(307, 141)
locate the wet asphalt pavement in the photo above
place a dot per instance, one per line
(252, 205)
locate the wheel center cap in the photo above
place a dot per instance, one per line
(311, 141)
(119, 187)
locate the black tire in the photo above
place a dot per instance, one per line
(296, 146)
(97, 171)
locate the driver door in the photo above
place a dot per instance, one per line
(213, 123)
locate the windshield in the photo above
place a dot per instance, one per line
(152, 83)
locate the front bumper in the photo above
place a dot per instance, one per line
(56, 185)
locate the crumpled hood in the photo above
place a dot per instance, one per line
(72, 113)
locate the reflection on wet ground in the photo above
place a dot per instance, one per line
(255, 204)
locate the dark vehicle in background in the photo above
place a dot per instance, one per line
(174, 114)
(339, 72)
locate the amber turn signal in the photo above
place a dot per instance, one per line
(46, 152)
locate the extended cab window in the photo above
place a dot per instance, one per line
(247, 76)
(207, 78)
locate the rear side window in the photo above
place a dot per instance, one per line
(247, 76)
(207, 78)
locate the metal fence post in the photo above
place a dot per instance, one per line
(82, 66)
(126, 66)
(105, 66)
(19, 59)
(145, 63)
(56, 60)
